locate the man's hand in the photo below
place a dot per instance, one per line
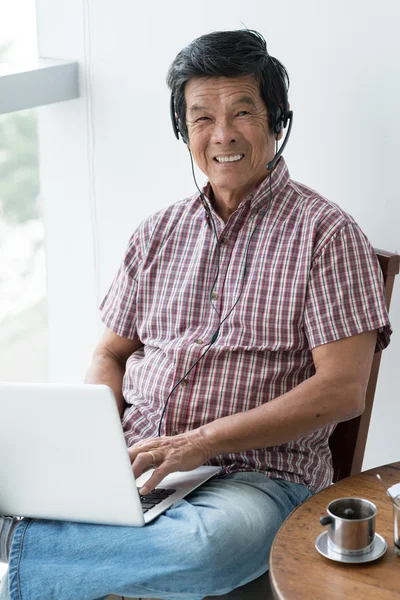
(167, 454)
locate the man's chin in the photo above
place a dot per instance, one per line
(231, 185)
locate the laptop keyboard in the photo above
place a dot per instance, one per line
(155, 497)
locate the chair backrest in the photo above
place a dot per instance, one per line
(348, 441)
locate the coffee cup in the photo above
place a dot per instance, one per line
(351, 526)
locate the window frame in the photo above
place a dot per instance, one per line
(38, 83)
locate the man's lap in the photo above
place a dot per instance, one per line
(216, 539)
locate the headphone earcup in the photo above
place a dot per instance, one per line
(278, 122)
(181, 129)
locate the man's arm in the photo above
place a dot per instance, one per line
(335, 393)
(108, 363)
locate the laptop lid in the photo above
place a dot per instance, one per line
(63, 456)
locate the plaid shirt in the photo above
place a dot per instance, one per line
(295, 271)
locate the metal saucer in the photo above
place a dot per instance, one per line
(378, 549)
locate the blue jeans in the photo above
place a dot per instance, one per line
(216, 539)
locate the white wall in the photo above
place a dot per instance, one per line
(110, 158)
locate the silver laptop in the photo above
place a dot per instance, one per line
(63, 456)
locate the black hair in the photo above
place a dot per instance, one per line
(229, 54)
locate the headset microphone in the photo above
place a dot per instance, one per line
(272, 163)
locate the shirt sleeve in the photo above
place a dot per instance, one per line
(118, 309)
(345, 292)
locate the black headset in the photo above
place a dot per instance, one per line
(282, 116)
(280, 121)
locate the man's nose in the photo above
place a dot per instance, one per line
(224, 133)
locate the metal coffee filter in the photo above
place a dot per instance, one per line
(351, 509)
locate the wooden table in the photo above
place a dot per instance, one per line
(297, 571)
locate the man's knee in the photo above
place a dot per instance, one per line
(232, 559)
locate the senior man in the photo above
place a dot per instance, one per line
(240, 328)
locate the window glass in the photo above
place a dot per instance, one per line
(23, 310)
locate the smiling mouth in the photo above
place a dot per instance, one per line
(229, 159)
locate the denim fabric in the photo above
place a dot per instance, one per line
(214, 540)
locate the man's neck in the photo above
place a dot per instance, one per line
(223, 209)
(226, 202)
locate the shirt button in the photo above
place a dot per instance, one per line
(224, 241)
(175, 432)
(214, 295)
(183, 383)
(199, 341)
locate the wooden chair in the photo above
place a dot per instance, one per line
(349, 439)
(347, 442)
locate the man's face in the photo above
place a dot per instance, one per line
(228, 132)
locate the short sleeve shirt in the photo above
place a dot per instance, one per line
(228, 314)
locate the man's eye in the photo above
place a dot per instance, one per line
(202, 119)
(242, 113)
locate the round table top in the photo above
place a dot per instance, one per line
(298, 571)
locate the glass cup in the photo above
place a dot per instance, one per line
(396, 531)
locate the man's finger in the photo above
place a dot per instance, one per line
(135, 450)
(142, 446)
(142, 463)
(154, 480)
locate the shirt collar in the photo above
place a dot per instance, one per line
(271, 186)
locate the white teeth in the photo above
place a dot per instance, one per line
(235, 158)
